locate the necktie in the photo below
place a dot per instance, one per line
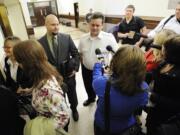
(55, 46)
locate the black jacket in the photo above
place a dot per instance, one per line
(22, 80)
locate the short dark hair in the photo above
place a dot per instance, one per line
(98, 15)
(131, 6)
(172, 50)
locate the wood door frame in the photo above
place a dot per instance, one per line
(4, 21)
(33, 18)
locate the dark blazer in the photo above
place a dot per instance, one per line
(165, 96)
(21, 79)
(68, 58)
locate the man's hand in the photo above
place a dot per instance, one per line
(131, 34)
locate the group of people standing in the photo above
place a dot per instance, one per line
(46, 68)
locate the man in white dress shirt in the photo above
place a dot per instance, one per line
(95, 39)
(172, 23)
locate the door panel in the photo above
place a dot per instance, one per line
(39, 10)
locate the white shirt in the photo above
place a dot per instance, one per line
(13, 69)
(89, 44)
(172, 24)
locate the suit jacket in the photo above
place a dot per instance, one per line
(68, 58)
(21, 79)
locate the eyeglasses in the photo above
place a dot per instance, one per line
(7, 47)
(12, 38)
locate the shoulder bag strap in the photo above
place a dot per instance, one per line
(167, 20)
(107, 107)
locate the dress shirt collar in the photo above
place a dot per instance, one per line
(124, 20)
(178, 20)
(9, 61)
(100, 36)
(50, 36)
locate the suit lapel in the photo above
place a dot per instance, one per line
(60, 46)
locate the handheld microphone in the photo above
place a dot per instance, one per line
(110, 49)
(100, 57)
(99, 54)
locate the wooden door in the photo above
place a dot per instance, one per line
(39, 10)
(40, 14)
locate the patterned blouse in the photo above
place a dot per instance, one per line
(49, 101)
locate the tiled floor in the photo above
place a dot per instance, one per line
(85, 124)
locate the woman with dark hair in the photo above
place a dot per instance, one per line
(127, 92)
(47, 95)
(165, 95)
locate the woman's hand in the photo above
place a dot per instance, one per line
(23, 91)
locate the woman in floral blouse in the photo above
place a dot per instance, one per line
(47, 94)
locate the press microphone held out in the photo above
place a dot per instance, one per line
(110, 49)
(102, 60)
(99, 54)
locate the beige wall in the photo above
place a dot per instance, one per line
(157, 8)
(16, 19)
(65, 6)
(25, 11)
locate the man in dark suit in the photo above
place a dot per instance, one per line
(63, 54)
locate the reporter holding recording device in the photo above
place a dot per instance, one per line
(110, 49)
(88, 44)
(104, 60)
(126, 86)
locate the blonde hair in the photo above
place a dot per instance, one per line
(160, 39)
(128, 65)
